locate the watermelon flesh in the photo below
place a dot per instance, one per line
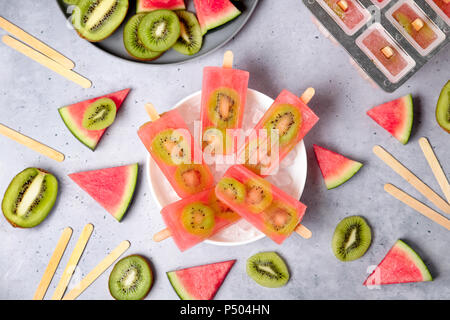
(72, 116)
(401, 265)
(395, 116)
(200, 283)
(150, 5)
(112, 188)
(336, 169)
(212, 14)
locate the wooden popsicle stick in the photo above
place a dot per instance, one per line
(31, 143)
(73, 261)
(97, 271)
(308, 95)
(53, 264)
(36, 44)
(412, 179)
(162, 235)
(433, 162)
(228, 59)
(151, 111)
(303, 231)
(417, 205)
(46, 61)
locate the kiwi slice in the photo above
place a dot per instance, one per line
(223, 107)
(217, 140)
(268, 269)
(221, 210)
(280, 218)
(133, 44)
(100, 114)
(259, 194)
(96, 20)
(29, 198)
(198, 219)
(171, 147)
(159, 30)
(131, 278)
(351, 238)
(192, 178)
(443, 108)
(191, 38)
(231, 189)
(288, 120)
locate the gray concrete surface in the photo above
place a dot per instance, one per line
(282, 49)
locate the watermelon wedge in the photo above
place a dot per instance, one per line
(150, 5)
(335, 168)
(212, 14)
(72, 116)
(200, 283)
(112, 188)
(401, 265)
(395, 116)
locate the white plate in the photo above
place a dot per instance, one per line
(291, 176)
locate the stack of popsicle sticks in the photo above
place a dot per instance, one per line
(72, 264)
(41, 53)
(426, 191)
(153, 114)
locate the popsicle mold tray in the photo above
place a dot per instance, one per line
(388, 40)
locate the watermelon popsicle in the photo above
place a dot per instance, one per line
(224, 94)
(348, 14)
(171, 145)
(194, 219)
(442, 7)
(266, 207)
(292, 118)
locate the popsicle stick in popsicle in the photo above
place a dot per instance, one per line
(412, 179)
(417, 205)
(307, 95)
(36, 44)
(151, 111)
(97, 271)
(228, 59)
(31, 143)
(73, 261)
(46, 61)
(433, 162)
(53, 264)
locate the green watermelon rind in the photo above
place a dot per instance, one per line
(418, 262)
(91, 144)
(128, 192)
(178, 287)
(345, 176)
(140, 8)
(404, 136)
(226, 18)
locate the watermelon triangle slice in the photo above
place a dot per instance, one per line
(112, 188)
(401, 265)
(395, 116)
(200, 283)
(212, 14)
(336, 169)
(72, 116)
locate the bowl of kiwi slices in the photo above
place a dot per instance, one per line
(142, 31)
(291, 175)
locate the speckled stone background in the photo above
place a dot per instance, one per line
(282, 49)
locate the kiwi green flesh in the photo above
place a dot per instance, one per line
(159, 30)
(443, 108)
(71, 1)
(131, 278)
(231, 189)
(223, 107)
(29, 198)
(133, 44)
(268, 269)
(100, 114)
(351, 238)
(198, 219)
(287, 120)
(191, 177)
(191, 38)
(280, 218)
(171, 147)
(258, 195)
(96, 20)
